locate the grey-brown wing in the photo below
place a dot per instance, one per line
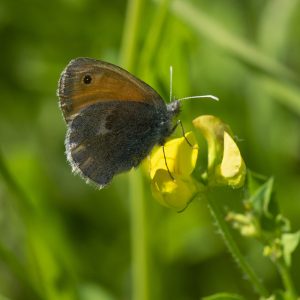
(111, 137)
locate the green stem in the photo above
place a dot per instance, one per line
(234, 250)
(140, 289)
(130, 35)
(151, 44)
(286, 279)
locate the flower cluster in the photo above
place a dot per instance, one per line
(171, 170)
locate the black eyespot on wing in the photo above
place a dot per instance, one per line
(87, 79)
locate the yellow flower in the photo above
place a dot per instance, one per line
(181, 159)
(171, 181)
(175, 193)
(225, 163)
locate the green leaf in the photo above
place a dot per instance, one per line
(224, 296)
(283, 223)
(261, 200)
(290, 242)
(254, 181)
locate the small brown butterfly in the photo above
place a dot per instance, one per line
(114, 119)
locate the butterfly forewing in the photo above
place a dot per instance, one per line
(87, 81)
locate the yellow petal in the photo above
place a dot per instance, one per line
(225, 163)
(171, 193)
(212, 129)
(180, 156)
(232, 169)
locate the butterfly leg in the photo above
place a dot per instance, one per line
(163, 148)
(183, 132)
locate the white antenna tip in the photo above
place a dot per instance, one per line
(198, 97)
(214, 98)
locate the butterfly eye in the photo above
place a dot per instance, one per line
(87, 79)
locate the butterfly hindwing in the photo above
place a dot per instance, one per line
(108, 138)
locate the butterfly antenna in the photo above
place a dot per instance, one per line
(198, 97)
(171, 83)
(186, 98)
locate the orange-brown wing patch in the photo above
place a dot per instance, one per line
(108, 83)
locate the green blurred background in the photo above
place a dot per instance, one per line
(63, 239)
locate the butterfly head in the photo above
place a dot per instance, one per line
(174, 108)
(167, 124)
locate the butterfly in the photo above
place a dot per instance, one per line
(113, 118)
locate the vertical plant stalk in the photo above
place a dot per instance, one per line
(139, 257)
(286, 279)
(130, 34)
(153, 38)
(234, 250)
